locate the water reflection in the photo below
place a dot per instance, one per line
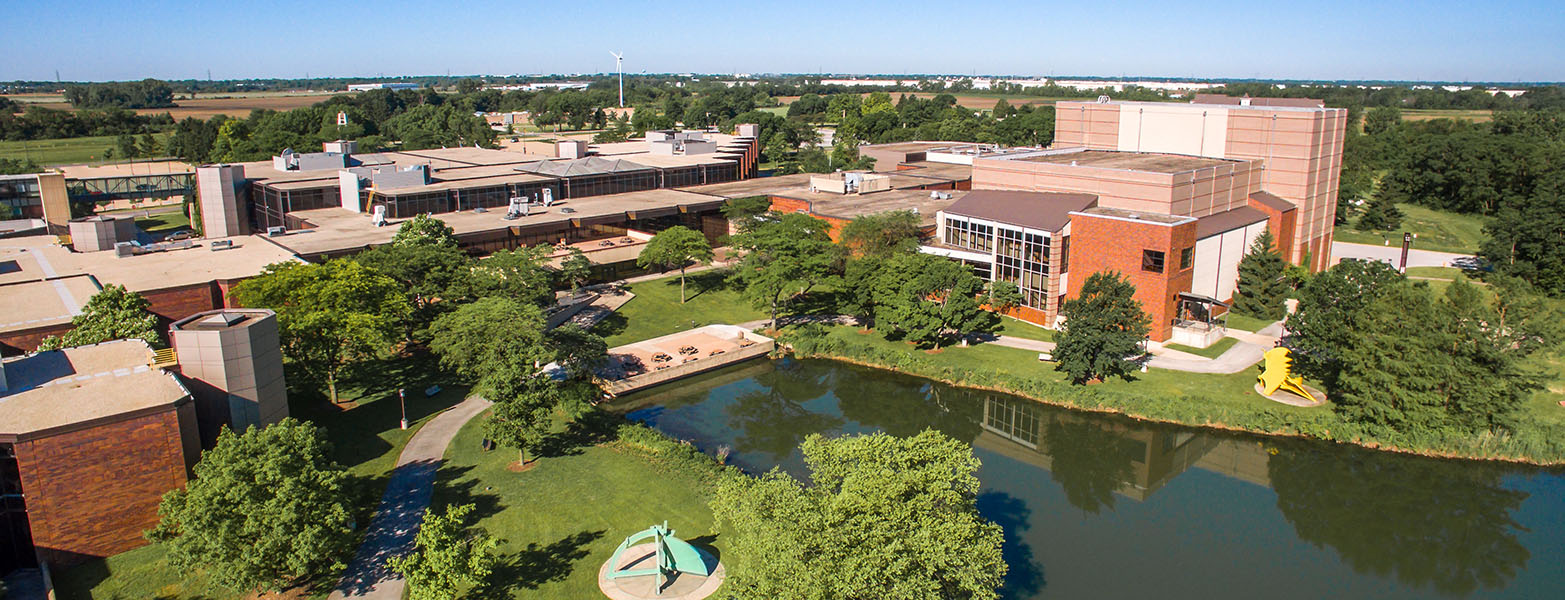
(1419, 520)
(1343, 521)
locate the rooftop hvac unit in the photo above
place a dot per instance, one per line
(378, 215)
(548, 196)
(275, 231)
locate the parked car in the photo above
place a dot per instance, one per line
(184, 234)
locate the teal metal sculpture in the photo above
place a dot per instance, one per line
(673, 554)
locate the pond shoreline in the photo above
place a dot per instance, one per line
(789, 350)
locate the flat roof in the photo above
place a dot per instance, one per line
(756, 186)
(1210, 102)
(674, 161)
(1152, 162)
(131, 169)
(849, 206)
(220, 319)
(59, 388)
(935, 170)
(40, 257)
(1044, 211)
(338, 229)
(1227, 220)
(1272, 201)
(1136, 215)
(910, 146)
(32, 304)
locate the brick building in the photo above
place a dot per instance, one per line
(83, 463)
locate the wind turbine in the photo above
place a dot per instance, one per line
(619, 65)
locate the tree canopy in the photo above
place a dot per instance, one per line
(424, 230)
(450, 555)
(331, 314)
(1328, 310)
(925, 297)
(881, 234)
(885, 517)
(786, 255)
(267, 509)
(113, 313)
(677, 246)
(1104, 328)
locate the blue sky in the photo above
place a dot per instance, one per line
(1515, 40)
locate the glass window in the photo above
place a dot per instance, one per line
(1187, 258)
(1152, 261)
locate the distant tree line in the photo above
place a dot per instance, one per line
(147, 93)
(39, 123)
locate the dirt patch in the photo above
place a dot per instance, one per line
(521, 468)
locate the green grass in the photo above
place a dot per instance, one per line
(164, 222)
(1212, 351)
(1436, 230)
(1448, 273)
(64, 151)
(781, 111)
(562, 518)
(656, 309)
(366, 438)
(1251, 324)
(1022, 329)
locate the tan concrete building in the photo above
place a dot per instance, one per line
(233, 362)
(1298, 141)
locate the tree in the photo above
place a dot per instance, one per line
(886, 517)
(1104, 328)
(1003, 296)
(1328, 309)
(575, 349)
(450, 555)
(576, 269)
(1262, 290)
(1002, 109)
(1381, 214)
(424, 230)
(516, 274)
(924, 296)
(676, 246)
(113, 313)
(745, 213)
(127, 146)
(434, 277)
(1381, 119)
(881, 234)
(267, 509)
(149, 147)
(1524, 237)
(330, 315)
(786, 255)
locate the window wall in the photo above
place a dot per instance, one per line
(613, 183)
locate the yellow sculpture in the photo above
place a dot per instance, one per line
(1279, 364)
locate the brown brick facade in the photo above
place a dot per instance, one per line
(1100, 243)
(92, 492)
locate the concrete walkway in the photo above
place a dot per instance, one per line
(402, 506)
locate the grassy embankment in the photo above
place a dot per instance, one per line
(1219, 401)
(1436, 230)
(64, 151)
(366, 438)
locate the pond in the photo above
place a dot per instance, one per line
(1099, 506)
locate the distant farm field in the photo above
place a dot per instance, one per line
(1427, 114)
(205, 105)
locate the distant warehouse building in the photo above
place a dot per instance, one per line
(364, 87)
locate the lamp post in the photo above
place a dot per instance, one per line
(1407, 243)
(402, 400)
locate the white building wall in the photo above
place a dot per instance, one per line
(1177, 129)
(1217, 261)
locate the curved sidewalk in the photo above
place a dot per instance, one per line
(402, 506)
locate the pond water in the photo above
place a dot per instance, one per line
(1097, 506)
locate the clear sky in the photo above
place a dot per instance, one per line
(1502, 40)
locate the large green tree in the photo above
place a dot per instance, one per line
(434, 277)
(516, 274)
(330, 315)
(1524, 238)
(881, 234)
(451, 556)
(926, 297)
(677, 246)
(1103, 331)
(424, 230)
(884, 517)
(786, 255)
(113, 313)
(267, 509)
(576, 269)
(1262, 290)
(1329, 307)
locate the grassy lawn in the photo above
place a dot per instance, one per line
(1448, 273)
(710, 299)
(64, 151)
(1251, 324)
(1436, 230)
(164, 222)
(1022, 329)
(562, 518)
(366, 437)
(781, 111)
(1212, 351)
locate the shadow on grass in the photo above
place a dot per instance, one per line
(703, 282)
(611, 325)
(538, 565)
(593, 428)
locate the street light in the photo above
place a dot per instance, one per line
(402, 399)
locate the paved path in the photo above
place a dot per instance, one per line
(1393, 255)
(1236, 359)
(402, 506)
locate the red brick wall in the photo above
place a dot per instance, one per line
(1281, 224)
(1107, 244)
(91, 493)
(781, 204)
(21, 342)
